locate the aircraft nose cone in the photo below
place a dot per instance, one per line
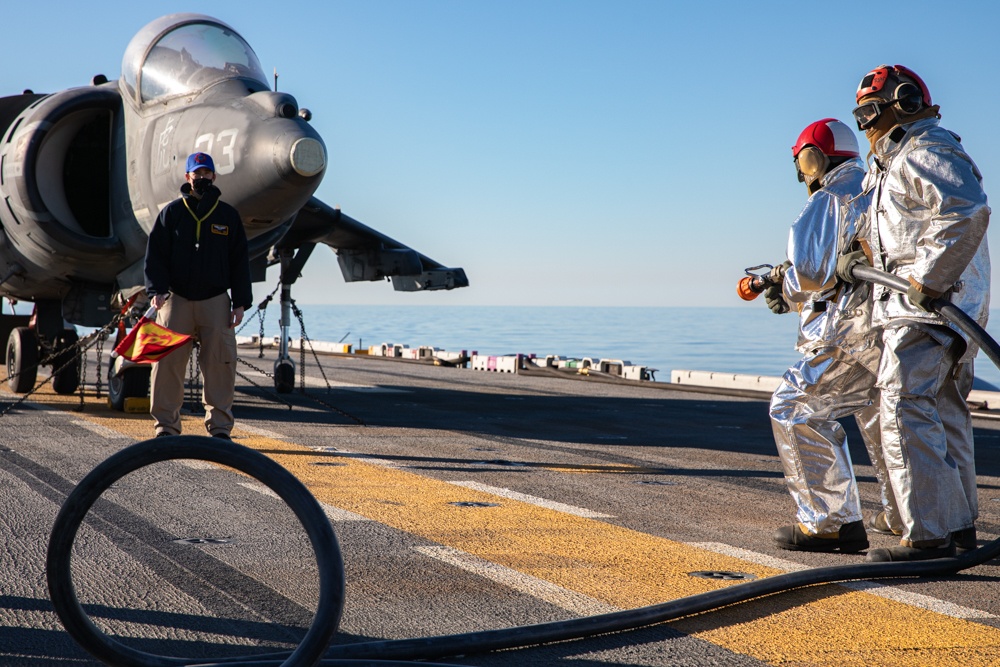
(308, 156)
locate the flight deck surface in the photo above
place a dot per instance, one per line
(463, 501)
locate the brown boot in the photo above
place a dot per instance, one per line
(965, 540)
(925, 550)
(878, 524)
(850, 538)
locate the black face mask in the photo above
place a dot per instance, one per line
(201, 185)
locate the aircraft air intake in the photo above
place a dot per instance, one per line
(56, 179)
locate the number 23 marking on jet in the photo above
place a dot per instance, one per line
(224, 162)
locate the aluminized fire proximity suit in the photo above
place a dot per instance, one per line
(836, 377)
(929, 216)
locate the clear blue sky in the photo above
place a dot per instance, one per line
(564, 152)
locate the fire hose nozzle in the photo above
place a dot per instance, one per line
(749, 288)
(753, 284)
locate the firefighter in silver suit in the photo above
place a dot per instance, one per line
(836, 376)
(928, 220)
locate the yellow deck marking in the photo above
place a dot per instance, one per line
(823, 625)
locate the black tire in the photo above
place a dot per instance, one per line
(132, 383)
(66, 379)
(284, 376)
(22, 360)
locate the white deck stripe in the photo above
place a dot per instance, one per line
(195, 464)
(348, 386)
(333, 513)
(546, 591)
(262, 432)
(363, 388)
(354, 456)
(337, 514)
(888, 592)
(534, 500)
(100, 430)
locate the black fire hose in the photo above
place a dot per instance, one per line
(302, 503)
(948, 310)
(327, 551)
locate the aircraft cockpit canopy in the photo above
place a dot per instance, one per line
(184, 57)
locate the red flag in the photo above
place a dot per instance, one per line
(149, 341)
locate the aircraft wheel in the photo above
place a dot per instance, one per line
(131, 383)
(284, 376)
(22, 360)
(66, 380)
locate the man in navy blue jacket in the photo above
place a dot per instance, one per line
(195, 258)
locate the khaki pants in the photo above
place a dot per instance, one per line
(208, 321)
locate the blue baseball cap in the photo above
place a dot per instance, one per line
(199, 161)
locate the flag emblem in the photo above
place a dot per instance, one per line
(149, 341)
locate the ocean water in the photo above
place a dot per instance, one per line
(731, 340)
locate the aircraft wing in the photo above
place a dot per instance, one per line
(365, 254)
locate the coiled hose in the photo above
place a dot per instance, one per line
(331, 572)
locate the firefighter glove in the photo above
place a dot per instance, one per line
(847, 262)
(920, 299)
(776, 300)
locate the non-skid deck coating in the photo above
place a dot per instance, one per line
(464, 501)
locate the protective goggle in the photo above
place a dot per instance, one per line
(867, 114)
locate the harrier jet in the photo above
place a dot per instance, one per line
(84, 172)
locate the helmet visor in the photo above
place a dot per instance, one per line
(868, 114)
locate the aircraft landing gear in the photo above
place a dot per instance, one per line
(24, 349)
(284, 367)
(41, 338)
(284, 376)
(131, 382)
(291, 265)
(126, 379)
(22, 359)
(66, 363)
